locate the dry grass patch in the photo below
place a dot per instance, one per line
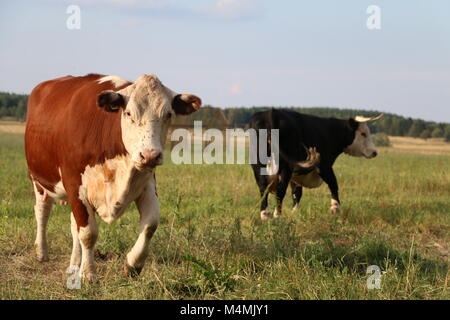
(12, 127)
(435, 146)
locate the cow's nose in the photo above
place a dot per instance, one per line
(374, 154)
(150, 157)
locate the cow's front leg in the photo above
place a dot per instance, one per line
(148, 207)
(75, 258)
(87, 231)
(330, 179)
(88, 237)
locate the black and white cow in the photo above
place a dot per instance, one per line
(308, 148)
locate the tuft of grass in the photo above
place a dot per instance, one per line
(206, 279)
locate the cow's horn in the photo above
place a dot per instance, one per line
(365, 119)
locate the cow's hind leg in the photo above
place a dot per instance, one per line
(43, 206)
(297, 192)
(285, 177)
(263, 184)
(148, 207)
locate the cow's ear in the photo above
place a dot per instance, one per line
(111, 101)
(353, 124)
(186, 103)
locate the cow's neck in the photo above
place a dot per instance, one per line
(344, 136)
(110, 187)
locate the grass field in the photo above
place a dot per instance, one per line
(212, 244)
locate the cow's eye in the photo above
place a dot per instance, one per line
(364, 134)
(128, 116)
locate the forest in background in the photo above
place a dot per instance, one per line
(15, 105)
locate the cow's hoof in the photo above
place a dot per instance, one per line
(89, 277)
(41, 254)
(295, 208)
(42, 258)
(265, 215)
(335, 207)
(277, 214)
(131, 271)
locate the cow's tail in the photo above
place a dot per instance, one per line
(300, 167)
(311, 163)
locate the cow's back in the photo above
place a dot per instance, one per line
(66, 131)
(291, 128)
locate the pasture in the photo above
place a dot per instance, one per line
(211, 243)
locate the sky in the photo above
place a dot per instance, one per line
(243, 52)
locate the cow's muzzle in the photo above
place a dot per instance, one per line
(149, 159)
(371, 155)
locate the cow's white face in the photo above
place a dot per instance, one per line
(145, 120)
(147, 108)
(362, 145)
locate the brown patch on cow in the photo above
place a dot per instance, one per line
(39, 189)
(63, 122)
(108, 173)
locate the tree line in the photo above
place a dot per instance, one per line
(390, 124)
(15, 105)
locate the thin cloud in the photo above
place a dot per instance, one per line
(235, 89)
(237, 9)
(127, 3)
(226, 10)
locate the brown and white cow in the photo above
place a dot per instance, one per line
(95, 141)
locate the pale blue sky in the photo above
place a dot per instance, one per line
(243, 52)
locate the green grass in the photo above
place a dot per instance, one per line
(211, 243)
